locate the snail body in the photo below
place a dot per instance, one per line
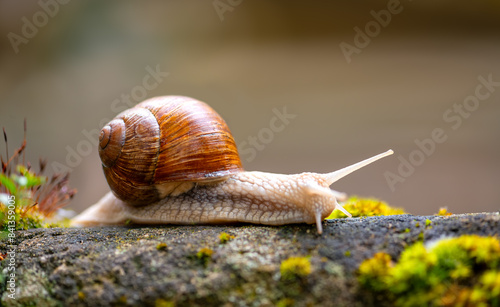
(172, 160)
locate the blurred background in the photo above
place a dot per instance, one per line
(359, 81)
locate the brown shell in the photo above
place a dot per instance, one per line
(165, 139)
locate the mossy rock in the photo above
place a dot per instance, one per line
(458, 271)
(160, 266)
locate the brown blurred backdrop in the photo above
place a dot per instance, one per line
(250, 59)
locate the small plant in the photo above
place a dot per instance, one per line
(295, 268)
(365, 207)
(225, 237)
(28, 197)
(463, 271)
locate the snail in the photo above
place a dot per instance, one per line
(173, 160)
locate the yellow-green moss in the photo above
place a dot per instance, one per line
(463, 271)
(365, 207)
(23, 219)
(374, 271)
(161, 246)
(122, 300)
(204, 252)
(225, 237)
(204, 255)
(295, 267)
(285, 302)
(164, 303)
(30, 219)
(443, 211)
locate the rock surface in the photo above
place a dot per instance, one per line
(124, 266)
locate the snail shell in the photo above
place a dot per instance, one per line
(163, 146)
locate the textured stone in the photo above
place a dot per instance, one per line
(123, 266)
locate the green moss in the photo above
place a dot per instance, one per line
(427, 222)
(462, 271)
(225, 237)
(365, 207)
(295, 268)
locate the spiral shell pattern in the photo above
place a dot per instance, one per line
(163, 140)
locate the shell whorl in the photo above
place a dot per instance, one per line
(165, 140)
(111, 141)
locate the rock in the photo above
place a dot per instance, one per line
(163, 265)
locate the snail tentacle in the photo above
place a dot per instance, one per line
(336, 175)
